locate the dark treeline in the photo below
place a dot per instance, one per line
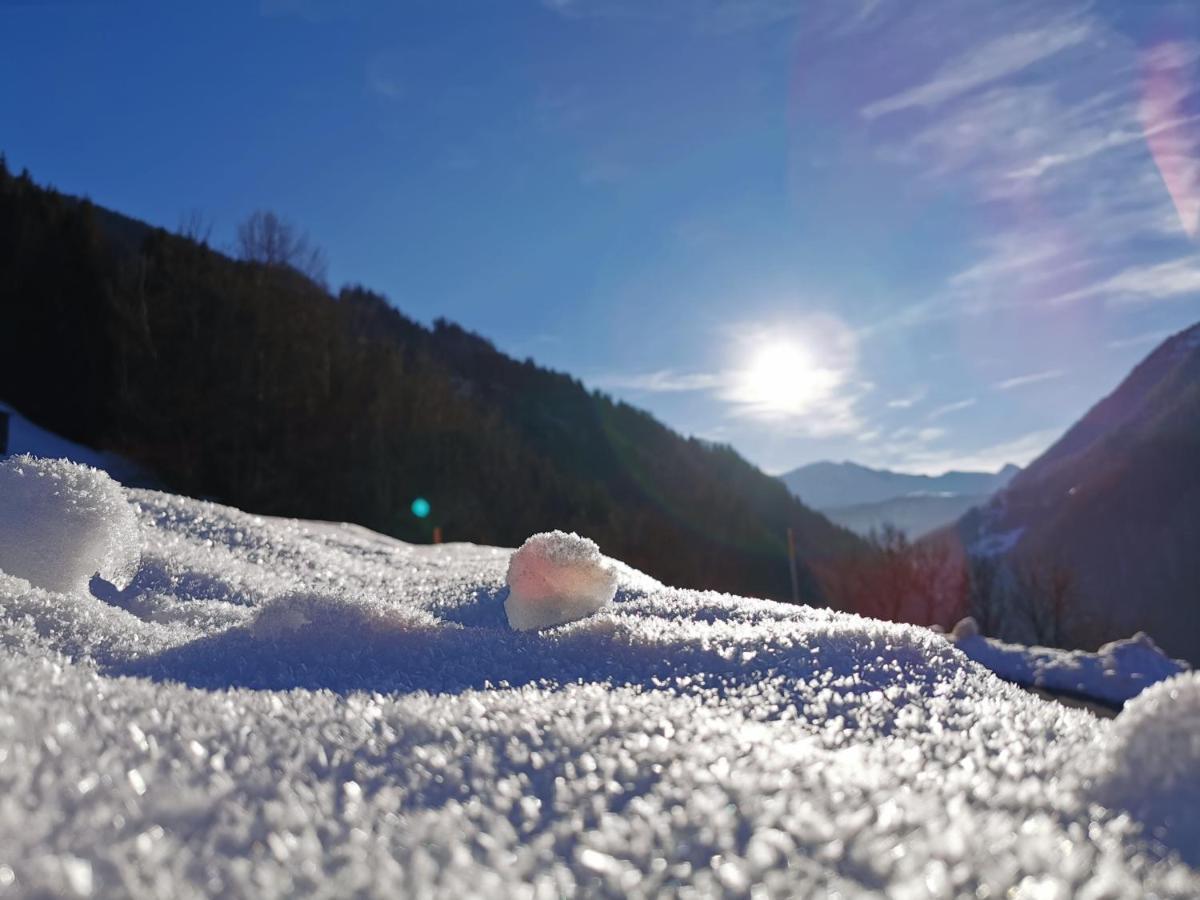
(252, 384)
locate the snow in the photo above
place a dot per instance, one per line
(966, 628)
(1117, 672)
(1150, 766)
(273, 707)
(62, 523)
(555, 578)
(26, 438)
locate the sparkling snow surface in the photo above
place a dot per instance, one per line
(1152, 759)
(555, 578)
(274, 708)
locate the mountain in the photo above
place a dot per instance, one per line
(254, 385)
(916, 515)
(862, 499)
(1112, 510)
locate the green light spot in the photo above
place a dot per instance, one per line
(420, 507)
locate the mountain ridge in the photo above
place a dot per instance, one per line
(830, 485)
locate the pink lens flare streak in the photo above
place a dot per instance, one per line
(1173, 137)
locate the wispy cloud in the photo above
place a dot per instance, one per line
(1058, 160)
(664, 381)
(1139, 340)
(1003, 56)
(1143, 283)
(1032, 378)
(912, 435)
(1089, 145)
(1020, 451)
(908, 401)
(949, 408)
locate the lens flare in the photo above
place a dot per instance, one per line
(1173, 135)
(420, 508)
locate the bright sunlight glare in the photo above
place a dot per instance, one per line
(783, 378)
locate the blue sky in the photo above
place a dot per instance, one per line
(920, 235)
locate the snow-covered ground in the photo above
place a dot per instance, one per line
(274, 707)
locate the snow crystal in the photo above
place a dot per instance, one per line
(62, 523)
(556, 577)
(1151, 763)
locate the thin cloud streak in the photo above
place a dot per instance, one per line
(1003, 56)
(664, 381)
(1033, 378)
(1139, 340)
(950, 408)
(908, 401)
(1142, 283)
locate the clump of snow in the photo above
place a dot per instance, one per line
(966, 628)
(62, 523)
(1118, 671)
(556, 577)
(1150, 767)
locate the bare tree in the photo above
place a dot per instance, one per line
(985, 594)
(270, 240)
(896, 579)
(1046, 595)
(195, 226)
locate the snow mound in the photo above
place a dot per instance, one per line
(555, 578)
(1151, 763)
(61, 523)
(1117, 672)
(330, 618)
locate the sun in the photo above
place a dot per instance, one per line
(782, 377)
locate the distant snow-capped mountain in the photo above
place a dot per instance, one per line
(861, 498)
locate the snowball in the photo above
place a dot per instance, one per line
(555, 578)
(966, 628)
(1150, 766)
(61, 523)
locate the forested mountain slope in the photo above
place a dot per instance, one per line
(254, 385)
(1114, 507)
